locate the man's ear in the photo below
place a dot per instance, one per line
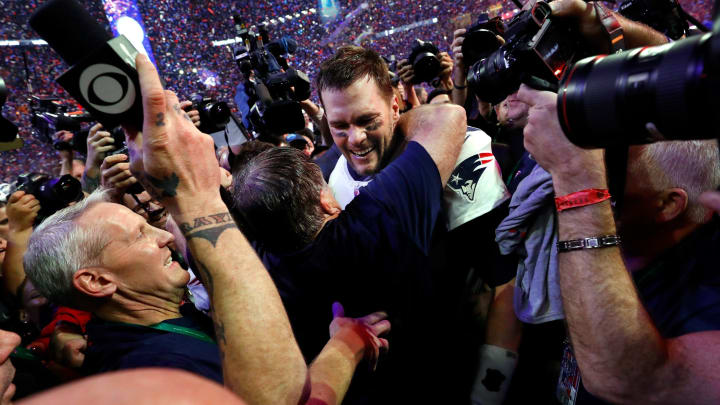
(672, 203)
(94, 282)
(395, 105)
(328, 202)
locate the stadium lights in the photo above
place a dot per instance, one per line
(289, 17)
(23, 42)
(312, 10)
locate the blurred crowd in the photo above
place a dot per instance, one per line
(190, 64)
(444, 229)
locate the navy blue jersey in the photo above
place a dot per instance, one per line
(374, 256)
(115, 346)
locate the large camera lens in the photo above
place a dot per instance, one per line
(479, 45)
(217, 113)
(60, 191)
(426, 67)
(495, 77)
(607, 101)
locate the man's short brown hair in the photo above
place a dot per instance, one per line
(350, 64)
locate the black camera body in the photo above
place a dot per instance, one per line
(214, 115)
(50, 116)
(273, 86)
(662, 15)
(53, 194)
(536, 47)
(424, 60)
(481, 38)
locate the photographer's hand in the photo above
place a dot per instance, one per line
(459, 72)
(98, 143)
(636, 34)
(406, 72)
(22, 209)
(116, 175)
(193, 114)
(573, 168)
(66, 154)
(446, 69)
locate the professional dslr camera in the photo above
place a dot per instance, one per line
(424, 60)
(608, 100)
(276, 87)
(214, 115)
(53, 194)
(481, 37)
(537, 50)
(50, 116)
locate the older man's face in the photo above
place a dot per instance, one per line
(137, 258)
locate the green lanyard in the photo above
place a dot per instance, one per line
(24, 353)
(168, 327)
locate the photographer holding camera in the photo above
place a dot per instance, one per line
(643, 320)
(408, 79)
(650, 344)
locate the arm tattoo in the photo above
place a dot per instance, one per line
(160, 120)
(218, 224)
(161, 188)
(90, 184)
(181, 112)
(207, 280)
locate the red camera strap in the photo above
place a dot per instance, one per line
(612, 27)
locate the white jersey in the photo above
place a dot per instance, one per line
(475, 186)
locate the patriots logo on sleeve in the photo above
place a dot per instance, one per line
(465, 177)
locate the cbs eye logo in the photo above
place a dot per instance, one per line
(107, 88)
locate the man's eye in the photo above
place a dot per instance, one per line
(373, 125)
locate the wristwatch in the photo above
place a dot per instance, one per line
(594, 242)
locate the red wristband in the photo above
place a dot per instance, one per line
(581, 198)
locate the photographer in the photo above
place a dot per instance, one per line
(407, 75)
(69, 164)
(648, 341)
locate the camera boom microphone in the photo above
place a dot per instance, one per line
(102, 75)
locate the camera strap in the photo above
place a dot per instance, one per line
(616, 163)
(612, 27)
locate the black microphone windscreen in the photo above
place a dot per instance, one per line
(69, 29)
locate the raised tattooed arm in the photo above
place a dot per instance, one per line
(261, 361)
(176, 164)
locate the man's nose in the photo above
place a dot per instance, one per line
(356, 135)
